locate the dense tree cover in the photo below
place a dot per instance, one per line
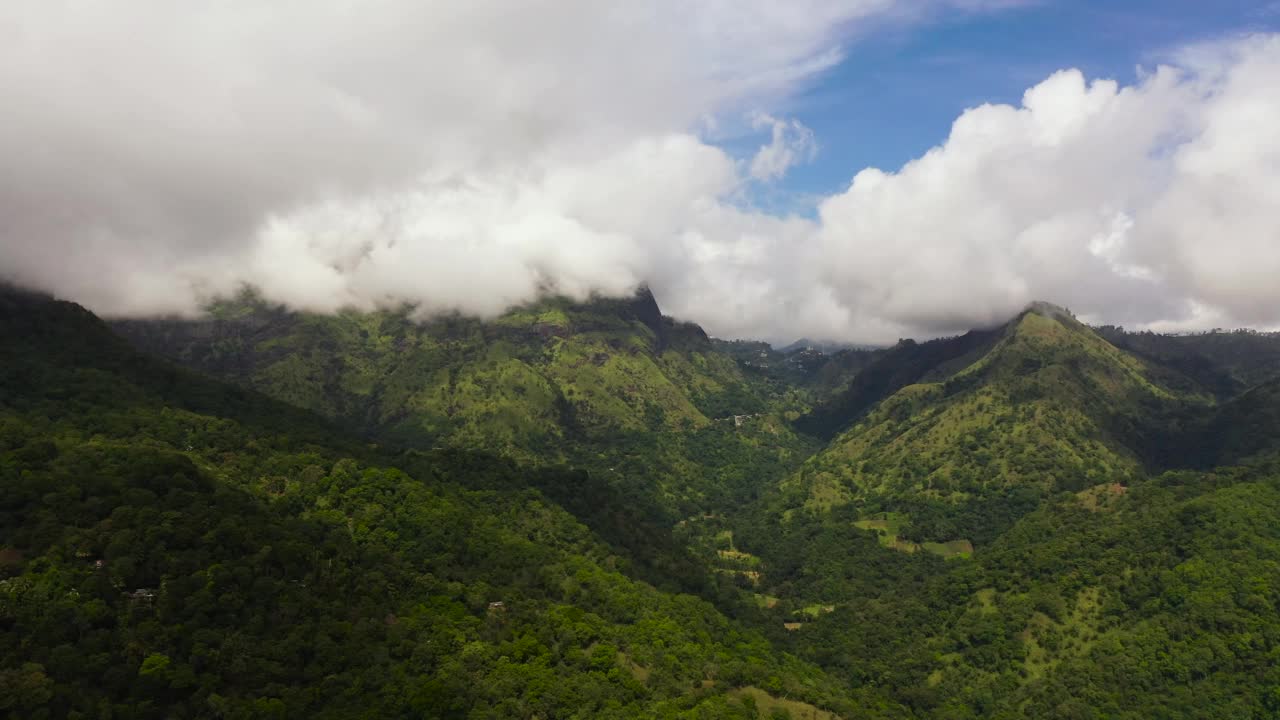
(996, 532)
(608, 386)
(904, 364)
(1159, 604)
(1153, 600)
(1223, 362)
(159, 561)
(524, 383)
(1049, 407)
(816, 372)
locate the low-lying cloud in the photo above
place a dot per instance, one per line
(469, 156)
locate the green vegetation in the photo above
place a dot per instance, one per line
(1048, 407)
(589, 510)
(610, 386)
(174, 547)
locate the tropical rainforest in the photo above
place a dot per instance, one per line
(587, 509)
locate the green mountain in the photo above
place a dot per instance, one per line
(385, 515)
(987, 424)
(1226, 363)
(1065, 577)
(520, 383)
(172, 546)
(609, 385)
(884, 373)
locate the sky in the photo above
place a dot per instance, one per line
(853, 170)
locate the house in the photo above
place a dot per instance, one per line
(142, 595)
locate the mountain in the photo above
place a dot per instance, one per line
(972, 429)
(1033, 520)
(885, 373)
(177, 547)
(521, 382)
(611, 385)
(991, 542)
(815, 372)
(1225, 363)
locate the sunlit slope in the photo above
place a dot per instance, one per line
(521, 383)
(1050, 406)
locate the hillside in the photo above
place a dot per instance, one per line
(1155, 600)
(1041, 405)
(885, 373)
(609, 385)
(1223, 362)
(176, 547)
(519, 383)
(1066, 579)
(985, 541)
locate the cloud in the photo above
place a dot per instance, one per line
(791, 144)
(147, 146)
(1142, 204)
(468, 156)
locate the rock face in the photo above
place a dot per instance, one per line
(645, 309)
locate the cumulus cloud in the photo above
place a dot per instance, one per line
(469, 156)
(150, 148)
(1144, 204)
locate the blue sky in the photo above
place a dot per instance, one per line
(898, 90)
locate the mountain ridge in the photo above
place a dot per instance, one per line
(1046, 405)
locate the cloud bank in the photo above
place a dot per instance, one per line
(469, 156)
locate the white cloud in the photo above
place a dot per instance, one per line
(791, 143)
(1137, 204)
(470, 155)
(147, 143)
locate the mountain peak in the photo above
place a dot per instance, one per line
(1045, 307)
(1048, 310)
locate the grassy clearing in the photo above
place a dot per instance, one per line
(887, 526)
(639, 672)
(814, 611)
(753, 576)
(1049, 641)
(950, 549)
(1101, 497)
(739, 558)
(766, 704)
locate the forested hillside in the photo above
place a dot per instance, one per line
(1044, 405)
(175, 547)
(548, 515)
(609, 385)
